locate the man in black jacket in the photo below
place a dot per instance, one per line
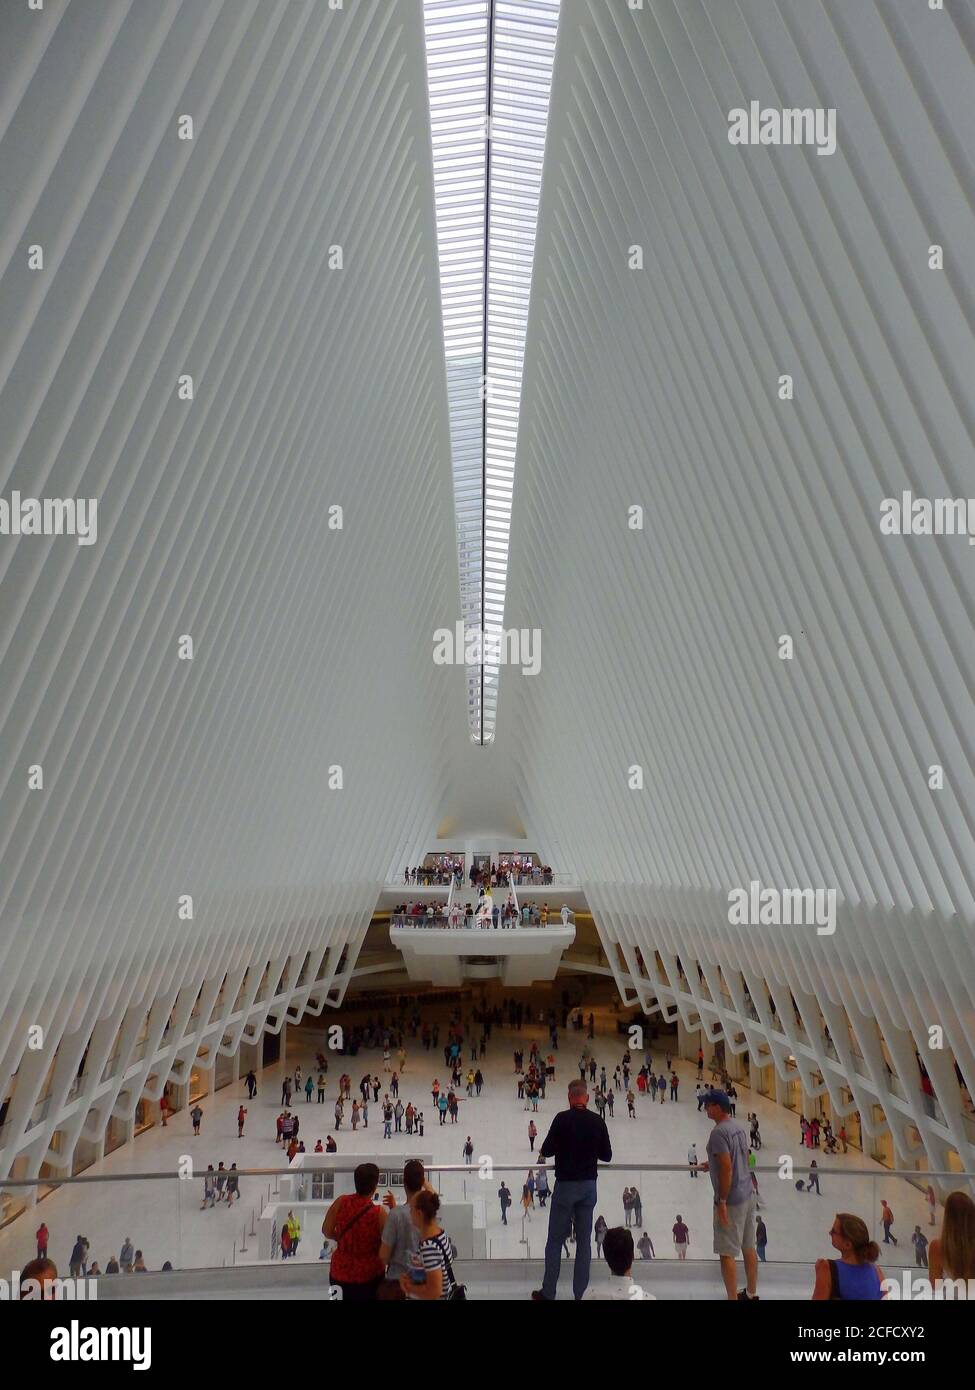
(577, 1140)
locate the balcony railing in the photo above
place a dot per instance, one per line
(107, 1207)
(440, 922)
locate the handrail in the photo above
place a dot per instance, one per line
(441, 923)
(304, 1169)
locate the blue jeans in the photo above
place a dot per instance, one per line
(571, 1202)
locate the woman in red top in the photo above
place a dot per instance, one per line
(356, 1223)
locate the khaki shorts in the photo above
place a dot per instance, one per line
(739, 1234)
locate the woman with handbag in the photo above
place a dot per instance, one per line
(356, 1223)
(431, 1274)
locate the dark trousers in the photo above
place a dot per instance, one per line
(572, 1202)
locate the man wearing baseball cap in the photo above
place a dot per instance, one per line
(734, 1197)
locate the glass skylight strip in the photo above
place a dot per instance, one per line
(485, 341)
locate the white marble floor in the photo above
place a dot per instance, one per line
(164, 1218)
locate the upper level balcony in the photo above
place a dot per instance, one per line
(433, 949)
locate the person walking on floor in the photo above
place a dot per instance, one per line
(526, 1201)
(761, 1238)
(920, 1242)
(196, 1115)
(813, 1178)
(645, 1247)
(887, 1221)
(541, 1186)
(504, 1197)
(532, 1134)
(578, 1140)
(241, 1117)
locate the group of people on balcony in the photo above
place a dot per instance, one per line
(440, 872)
(520, 869)
(487, 913)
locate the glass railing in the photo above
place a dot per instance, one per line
(204, 1221)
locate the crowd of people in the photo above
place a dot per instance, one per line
(379, 1249)
(507, 870)
(521, 869)
(441, 870)
(484, 913)
(129, 1260)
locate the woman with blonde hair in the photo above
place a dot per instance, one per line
(952, 1254)
(856, 1274)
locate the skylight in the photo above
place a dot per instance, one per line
(486, 57)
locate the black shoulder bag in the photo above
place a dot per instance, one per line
(459, 1290)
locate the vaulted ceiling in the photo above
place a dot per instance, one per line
(285, 259)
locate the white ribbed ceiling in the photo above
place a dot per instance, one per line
(314, 387)
(659, 388)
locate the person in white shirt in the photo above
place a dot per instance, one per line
(692, 1160)
(565, 914)
(620, 1286)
